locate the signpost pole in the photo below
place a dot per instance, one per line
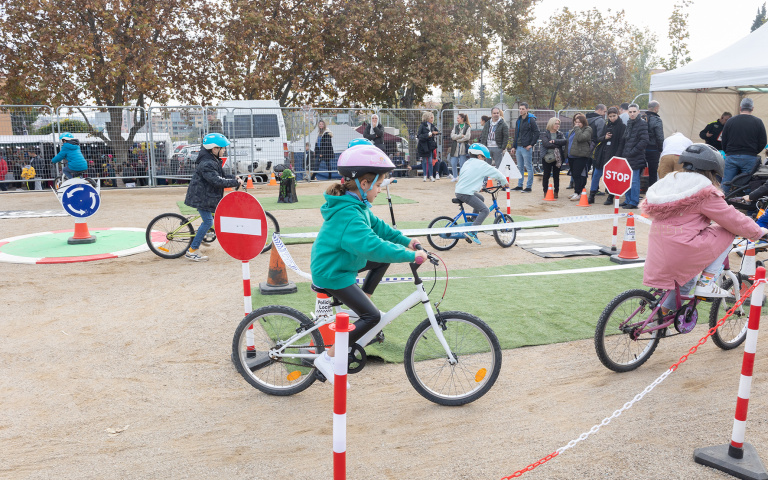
(249, 341)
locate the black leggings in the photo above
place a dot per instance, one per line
(355, 298)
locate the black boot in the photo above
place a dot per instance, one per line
(608, 200)
(591, 198)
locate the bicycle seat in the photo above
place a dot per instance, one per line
(317, 289)
(457, 201)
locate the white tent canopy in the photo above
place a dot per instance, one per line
(698, 93)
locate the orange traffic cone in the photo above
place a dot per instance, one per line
(277, 278)
(748, 264)
(249, 183)
(272, 180)
(628, 253)
(489, 184)
(82, 235)
(550, 197)
(583, 199)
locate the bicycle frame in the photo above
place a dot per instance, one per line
(419, 296)
(468, 216)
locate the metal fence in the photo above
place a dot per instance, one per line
(128, 146)
(26, 147)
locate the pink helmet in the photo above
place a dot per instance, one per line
(362, 159)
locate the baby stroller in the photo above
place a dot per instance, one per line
(743, 184)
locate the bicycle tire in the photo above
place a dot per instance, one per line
(444, 243)
(272, 227)
(474, 345)
(175, 245)
(274, 324)
(614, 346)
(734, 331)
(505, 238)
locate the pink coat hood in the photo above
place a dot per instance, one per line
(683, 239)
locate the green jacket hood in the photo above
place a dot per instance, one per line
(335, 205)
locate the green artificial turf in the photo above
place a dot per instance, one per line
(530, 310)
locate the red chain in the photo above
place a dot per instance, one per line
(532, 466)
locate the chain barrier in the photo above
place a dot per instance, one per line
(647, 389)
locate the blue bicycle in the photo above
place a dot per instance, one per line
(446, 241)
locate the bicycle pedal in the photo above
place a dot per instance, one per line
(379, 338)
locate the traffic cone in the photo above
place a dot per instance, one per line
(628, 253)
(82, 235)
(583, 199)
(489, 184)
(272, 180)
(277, 278)
(748, 264)
(249, 183)
(550, 197)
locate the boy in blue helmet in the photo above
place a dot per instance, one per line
(206, 189)
(472, 180)
(70, 150)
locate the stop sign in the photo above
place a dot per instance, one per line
(241, 226)
(617, 176)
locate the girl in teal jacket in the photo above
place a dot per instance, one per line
(352, 240)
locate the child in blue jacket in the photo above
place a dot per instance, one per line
(70, 150)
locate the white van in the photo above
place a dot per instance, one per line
(256, 129)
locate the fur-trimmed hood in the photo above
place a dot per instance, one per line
(676, 194)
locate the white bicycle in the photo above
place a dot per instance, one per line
(451, 358)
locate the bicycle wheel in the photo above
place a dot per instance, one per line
(472, 343)
(174, 230)
(442, 242)
(615, 347)
(733, 332)
(272, 227)
(272, 326)
(210, 236)
(505, 238)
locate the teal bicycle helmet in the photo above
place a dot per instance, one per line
(66, 136)
(215, 140)
(359, 141)
(479, 149)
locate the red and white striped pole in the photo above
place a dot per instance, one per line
(248, 306)
(736, 448)
(614, 239)
(509, 202)
(342, 329)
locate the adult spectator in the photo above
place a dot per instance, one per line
(483, 120)
(323, 150)
(375, 132)
(526, 136)
(596, 121)
(578, 153)
(460, 136)
(553, 144)
(655, 140)
(632, 147)
(624, 112)
(743, 139)
(711, 133)
(40, 166)
(3, 173)
(606, 149)
(214, 124)
(495, 136)
(674, 146)
(427, 144)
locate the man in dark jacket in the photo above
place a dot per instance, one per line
(711, 133)
(744, 138)
(206, 189)
(655, 141)
(526, 136)
(606, 149)
(596, 121)
(495, 136)
(632, 147)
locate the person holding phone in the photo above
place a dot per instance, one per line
(427, 143)
(607, 146)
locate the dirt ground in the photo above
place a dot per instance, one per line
(121, 369)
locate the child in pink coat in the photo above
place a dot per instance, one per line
(683, 240)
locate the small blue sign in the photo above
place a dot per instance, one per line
(81, 200)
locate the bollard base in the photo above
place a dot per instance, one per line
(609, 251)
(80, 241)
(266, 289)
(749, 467)
(624, 261)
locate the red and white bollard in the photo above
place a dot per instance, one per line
(342, 329)
(615, 238)
(740, 459)
(509, 201)
(248, 306)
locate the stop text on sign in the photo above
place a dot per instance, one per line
(618, 176)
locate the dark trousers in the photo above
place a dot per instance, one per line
(652, 157)
(579, 173)
(551, 170)
(355, 298)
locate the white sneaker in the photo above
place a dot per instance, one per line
(195, 257)
(437, 177)
(454, 179)
(450, 176)
(425, 179)
(710, 290)
(433, 179)
(324, 363)
(573, 197)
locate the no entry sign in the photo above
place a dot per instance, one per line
(617, 176)
(241, 226)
